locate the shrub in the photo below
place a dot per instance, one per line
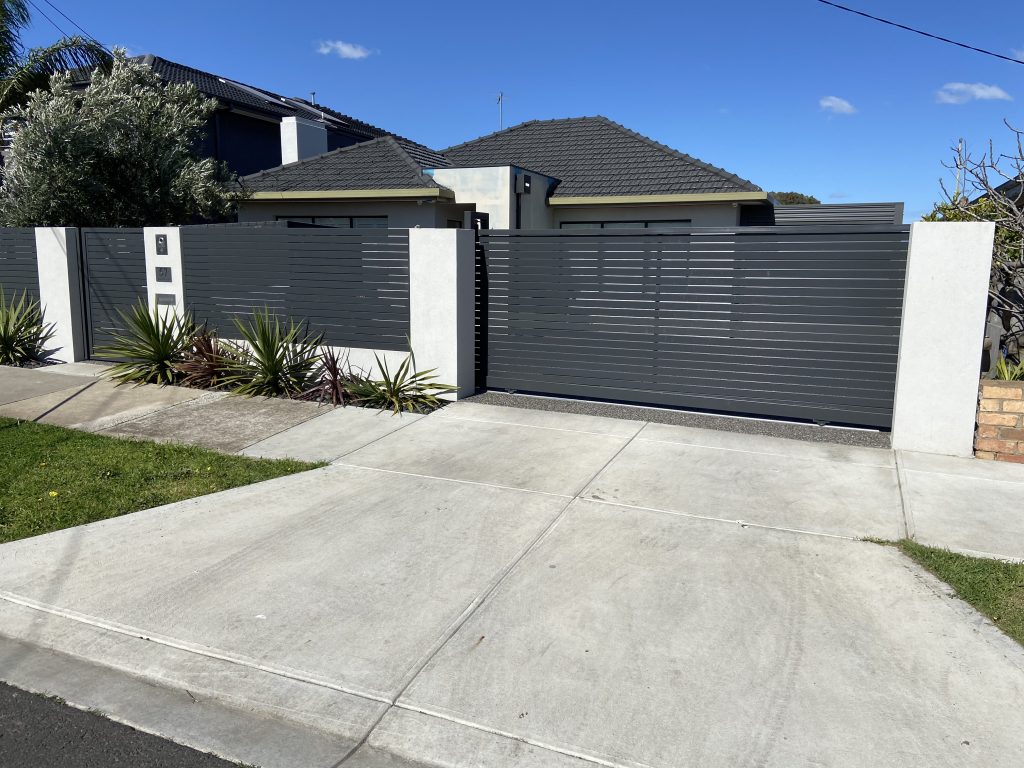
(206, 363)
(333, 381)
(151, 348)
(404, 390)
(274, 358)
(1009, 371)
(23, 334)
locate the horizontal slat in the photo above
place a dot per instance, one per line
(798, 322)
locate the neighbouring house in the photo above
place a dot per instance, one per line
(586, 172)
(253, 128)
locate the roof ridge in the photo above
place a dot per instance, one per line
(416, 167)
(312, 158)
(721, 172)
(386, 139)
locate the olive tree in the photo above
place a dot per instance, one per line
(121, 152)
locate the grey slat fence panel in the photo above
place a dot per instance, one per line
(19, 271)
(114, 264)
(793, 322)
(351, 284)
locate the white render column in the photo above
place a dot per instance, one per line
(442, 305)
(60, 290)
(165, 281)
(944, 308)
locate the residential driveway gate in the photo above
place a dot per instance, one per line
(114, 267)
(791, 322)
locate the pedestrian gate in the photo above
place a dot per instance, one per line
(114, 267)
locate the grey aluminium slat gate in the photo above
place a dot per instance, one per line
(114, 264)
(785, 322)
(19, 271)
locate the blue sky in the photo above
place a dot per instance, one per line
(737, 84)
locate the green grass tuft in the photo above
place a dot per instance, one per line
(53, 478)
(993, 587)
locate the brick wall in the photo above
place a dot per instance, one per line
(1000, 432)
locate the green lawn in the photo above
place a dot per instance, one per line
(993, 587)
(53, 478)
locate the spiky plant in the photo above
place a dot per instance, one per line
(404, 389)
(274, 358)
(151, 347)
(333, 380)
(1007, 370)
(23, 333)
(206, 363)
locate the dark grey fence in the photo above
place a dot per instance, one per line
(18, 268)
(352, 284)
(789, 322)
(114, 263)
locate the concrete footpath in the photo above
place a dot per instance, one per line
(497, 586)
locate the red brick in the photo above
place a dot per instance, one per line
(986, 430)
(1010, 434)
(999, 419)
(984, 455)
(998, 385)
(1017, 458)
(1013, 406)
(991, 404)
(999, 446)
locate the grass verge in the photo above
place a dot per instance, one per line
(993, 587)
(53, 478)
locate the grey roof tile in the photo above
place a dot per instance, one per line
(594, 156)
(382, 163)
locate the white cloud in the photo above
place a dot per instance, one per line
(342, 49)
(837, 106)
(1017, 53)
(961, 93)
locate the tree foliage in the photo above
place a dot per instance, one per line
(23, 71)
(121, 152)
(794, 198)
(990, 187)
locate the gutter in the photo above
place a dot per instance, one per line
(704, 197)
(355, 194)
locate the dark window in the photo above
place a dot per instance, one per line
(359, 222)
(649, 224)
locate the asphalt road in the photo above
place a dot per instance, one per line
(41, 732)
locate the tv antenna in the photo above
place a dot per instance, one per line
(501, 105)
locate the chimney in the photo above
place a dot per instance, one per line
(301, 138)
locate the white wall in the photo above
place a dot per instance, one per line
(944, 309)
(490, 189)
(171, 260)
(60, 290)
(301, 139)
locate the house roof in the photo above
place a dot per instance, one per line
(384, 163)
(596, 157)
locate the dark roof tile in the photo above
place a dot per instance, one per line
(382, 163)
(593, 156)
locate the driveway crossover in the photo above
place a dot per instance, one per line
(494, 586)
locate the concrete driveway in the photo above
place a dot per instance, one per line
(495, 586)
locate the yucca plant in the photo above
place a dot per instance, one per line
(406, 389)
(274, 358)
(1009, 371)
(23, 334)
(206, 363)
(150, 348)
(333, 380)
